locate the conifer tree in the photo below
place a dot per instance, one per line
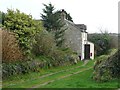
(48, 17)
(52, 23)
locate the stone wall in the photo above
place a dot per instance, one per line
(73, 37)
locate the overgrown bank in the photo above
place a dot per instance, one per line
(107, 68)
(74, 76)
(25, 41)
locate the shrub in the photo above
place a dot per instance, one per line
(105, 70)
(18, 67)
(44, 43)
(10, 47)
(24, 28)
(101, 41)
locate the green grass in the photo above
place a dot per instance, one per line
(80, 80)
(33, 76)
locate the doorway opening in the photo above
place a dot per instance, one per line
(87, 51)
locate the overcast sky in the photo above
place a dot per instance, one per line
(95, 14)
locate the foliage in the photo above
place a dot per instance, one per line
(107, 69)
(48, 17)
(10, 47)
(2, 17)
(44, 43)
(20, 67)
(33, 39)
(101, 41)
(68, 16)
(52, 23)
(114, 41)
(80, 80)
(24, 28)
(59, 29)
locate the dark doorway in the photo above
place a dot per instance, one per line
(87, 51)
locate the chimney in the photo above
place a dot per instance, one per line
(63, 14)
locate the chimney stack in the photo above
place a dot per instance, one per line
(63, 14)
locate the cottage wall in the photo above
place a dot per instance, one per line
(73, 38)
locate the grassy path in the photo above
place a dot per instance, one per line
(75, 76)
(47, 77)
(39, 85)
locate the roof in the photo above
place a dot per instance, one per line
(81, 27)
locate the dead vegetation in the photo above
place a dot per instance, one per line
(10, 47)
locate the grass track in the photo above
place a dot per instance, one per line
(75, 76)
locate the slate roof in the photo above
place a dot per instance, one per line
(81, 27)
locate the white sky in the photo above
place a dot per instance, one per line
(95, 14)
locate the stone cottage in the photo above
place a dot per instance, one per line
(76, 39)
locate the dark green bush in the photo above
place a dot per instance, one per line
(101, 41)
(107, 69)
(44, 43)
(9, 69)
(24, 28)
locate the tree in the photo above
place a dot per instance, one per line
(48, 17)
(24, 28)
(68, 17)
(2, 17)
(102, 42)
(52, 23)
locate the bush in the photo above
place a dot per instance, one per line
(32, 40)
(114, 41)
(102, 42)
(18, 67)
(107, 69)
(10, 47)
(44, 43)
(24, 28)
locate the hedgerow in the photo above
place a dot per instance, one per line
(33, 41)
